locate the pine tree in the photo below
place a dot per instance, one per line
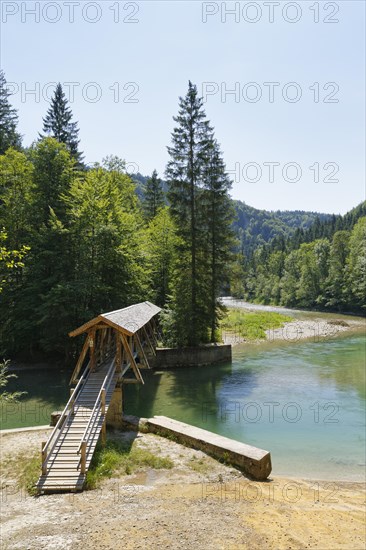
(153, 196)
(58, 124)
(9, 136)
(190, 144)
(218, 215)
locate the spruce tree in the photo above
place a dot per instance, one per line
(218, 215)
(190, 144)
(153, 196)
(58, 124)
(9, 136)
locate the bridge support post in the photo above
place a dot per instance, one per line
(43, 455)
(114, 414)
(83, 458)
(102, 398)
(104, 433)
(72, 402)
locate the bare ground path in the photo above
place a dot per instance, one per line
(198, 504)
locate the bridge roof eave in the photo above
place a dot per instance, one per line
(127, 321)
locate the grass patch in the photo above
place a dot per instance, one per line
(116, 458)
(251, 325)
(199, 465)
(25, 468)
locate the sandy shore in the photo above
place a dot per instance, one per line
(198, 504)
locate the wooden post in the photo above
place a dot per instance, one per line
(131, 358)
(104, 433)
(109, 332)
(72, 403)
(92, 348)
(83, 457)
(152, 333)
(44, 456)
(79, 364)
(149, 341)
(102, 398)
(118, 352)
(141, 350)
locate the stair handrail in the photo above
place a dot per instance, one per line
(91, 420)
(64, 416)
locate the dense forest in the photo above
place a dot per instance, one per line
(76, 240)
(254, 227)
(257, 227)
(322, 267)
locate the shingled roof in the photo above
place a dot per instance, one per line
(127, 320)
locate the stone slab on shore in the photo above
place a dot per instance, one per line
(253, 461)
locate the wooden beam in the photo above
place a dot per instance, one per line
(139, 345)
(94, 323)
(131, 358)
(102, 344)
(118, 353)
(152, 330)
(44, 456)
(104, 434)
(83, 458)
(92, 341)
(149, 341)
(80, 361)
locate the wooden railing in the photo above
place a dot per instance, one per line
(48, 447)
(99, 404)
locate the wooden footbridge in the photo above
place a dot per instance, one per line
(116, 347)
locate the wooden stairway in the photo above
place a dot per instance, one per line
(68, 452)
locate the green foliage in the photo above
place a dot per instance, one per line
(252, 325)
(16, 188)
(356, 264)
(85, 235)
(118, 459)
(10, 260)
(5, 375)
(160, 242)
(153, 196)
(255, 227)
(326, 272)
(9, 137)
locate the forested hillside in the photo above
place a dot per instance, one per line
(256, 227)
(323, 267)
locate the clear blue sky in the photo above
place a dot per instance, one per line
(169, 44)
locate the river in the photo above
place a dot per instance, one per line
(304, 402)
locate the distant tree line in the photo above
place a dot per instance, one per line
(321, 267)
(78, 241)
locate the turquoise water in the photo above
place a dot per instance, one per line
(303, 402)
(47, 391)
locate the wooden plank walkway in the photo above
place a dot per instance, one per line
(63, 470)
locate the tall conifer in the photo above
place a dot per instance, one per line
(58, 124)
(9, 136)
